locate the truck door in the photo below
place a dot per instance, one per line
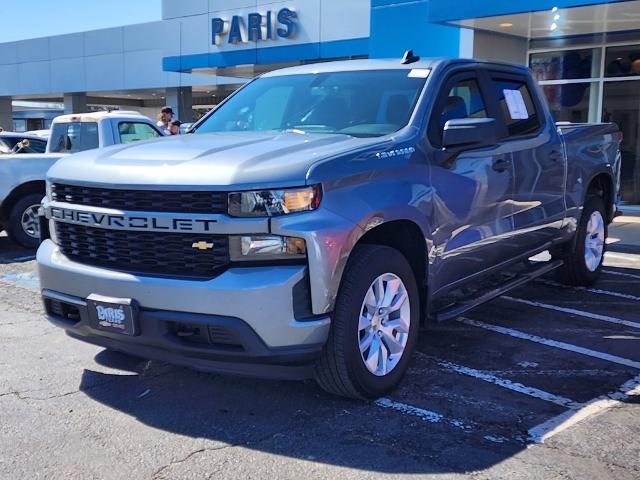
(472, 192)
(538, 161)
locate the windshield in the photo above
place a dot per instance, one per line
(359, 103)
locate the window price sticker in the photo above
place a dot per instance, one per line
(419, 73)
(516, 105)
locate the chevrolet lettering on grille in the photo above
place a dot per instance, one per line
(163, 223)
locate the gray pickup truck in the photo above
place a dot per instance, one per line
(24, 166)
(316, 219)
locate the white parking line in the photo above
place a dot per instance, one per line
(426, 415)
(598, 291)
(23, 259)
(573, 311)
(622, 274)
(550, 343)
(508, 384)
(559, 423)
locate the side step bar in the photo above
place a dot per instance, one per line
(463, 307)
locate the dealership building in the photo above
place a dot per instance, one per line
(584, 53)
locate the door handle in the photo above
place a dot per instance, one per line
(501, 164)
(555, 155)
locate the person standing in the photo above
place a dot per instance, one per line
(164, 120)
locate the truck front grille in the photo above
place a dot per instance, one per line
(144, 253)
(142, 200)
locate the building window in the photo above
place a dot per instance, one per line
(621, 104)
(565, 65)
(597, 84)
(20, 125)
(571, 102)
(622, 61)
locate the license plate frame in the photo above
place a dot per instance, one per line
(114, 315)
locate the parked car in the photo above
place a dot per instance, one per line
(40, 133)
(11, 142)
(321, 215)
(22, 177)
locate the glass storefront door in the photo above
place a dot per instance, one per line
(597, 83)
(621, 104)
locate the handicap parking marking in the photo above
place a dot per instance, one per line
(559, 423)
(573, 311)
(27, 280)
(597, 291)
(550, 343)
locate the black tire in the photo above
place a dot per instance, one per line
(575, 270)
(14, 224)
(341, 369)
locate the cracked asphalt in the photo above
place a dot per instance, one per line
(75, 411)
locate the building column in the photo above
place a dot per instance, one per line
(6, 114)
(75, 103)
(181, 100)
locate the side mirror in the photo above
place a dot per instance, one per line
(26, 143)
(468, 133)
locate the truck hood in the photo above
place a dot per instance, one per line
(243, 160)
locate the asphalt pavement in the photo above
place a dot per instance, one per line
(541, 384)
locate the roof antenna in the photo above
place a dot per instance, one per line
(409, 57)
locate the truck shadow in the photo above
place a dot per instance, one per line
(292, 419)
(12, 253)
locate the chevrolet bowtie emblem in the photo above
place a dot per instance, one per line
(202, 245)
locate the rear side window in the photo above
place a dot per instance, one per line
(74, 137)
(136, 132)
(517, 106)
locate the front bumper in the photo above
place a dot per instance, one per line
(257, 310)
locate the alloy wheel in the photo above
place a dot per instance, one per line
(30, 222)
(385, 319)
(594, 241)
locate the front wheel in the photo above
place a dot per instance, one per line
(584, 256)
(23, 226)
(374, 326)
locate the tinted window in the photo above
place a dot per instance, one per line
(360, 103)
(74, 137)
(136, 132)
(565, 64)
(518, 110)
(36, 146)
(622, 61)
(569, 102)
(463, 100)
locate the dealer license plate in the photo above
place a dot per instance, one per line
(116, 315)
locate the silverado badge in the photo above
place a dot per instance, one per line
(202, 245)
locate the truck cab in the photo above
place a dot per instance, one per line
(22, 176)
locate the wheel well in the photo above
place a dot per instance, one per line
(602, 186)
(406, 237)
(36, 186)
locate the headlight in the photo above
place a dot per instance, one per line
(270, 203)
(251, 248)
